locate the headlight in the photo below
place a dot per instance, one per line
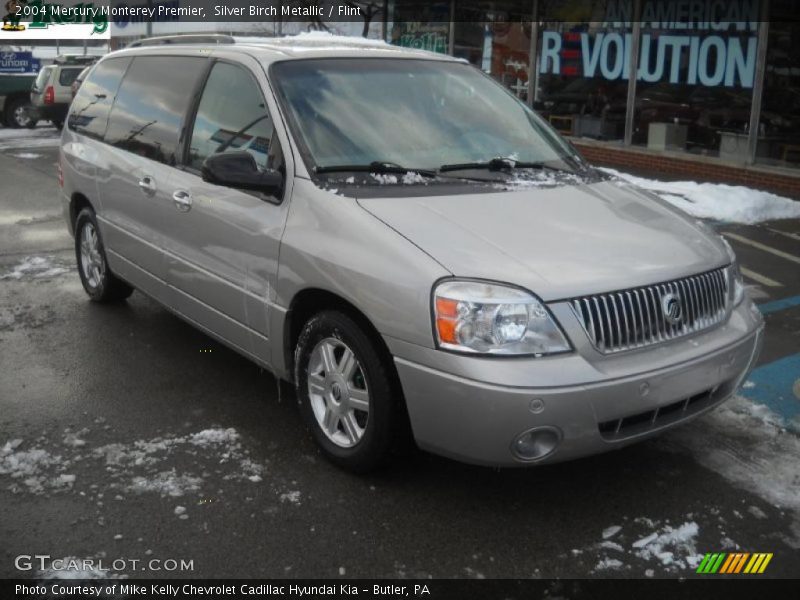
(736, 283)
(488, 318)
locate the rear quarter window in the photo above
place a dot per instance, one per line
(149, 111)
(67, 76)
(89, 112)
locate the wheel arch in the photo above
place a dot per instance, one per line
(77, 203)
(310, 301)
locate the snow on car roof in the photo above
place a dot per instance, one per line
(324, 43)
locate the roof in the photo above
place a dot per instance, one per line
(314, 44)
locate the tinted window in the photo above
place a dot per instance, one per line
(232, 116)
(151, 104)
(89, 113)
(67, 76)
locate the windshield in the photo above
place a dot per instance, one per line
(421, 114)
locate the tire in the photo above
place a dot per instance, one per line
(17, 113)
(333, 399)
(99, 282)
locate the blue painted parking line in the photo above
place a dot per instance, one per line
(776, 305)
(773, 385)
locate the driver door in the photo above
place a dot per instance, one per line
(222, 249)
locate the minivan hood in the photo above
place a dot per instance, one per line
(559, 242)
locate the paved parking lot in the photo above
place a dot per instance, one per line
(127, 434)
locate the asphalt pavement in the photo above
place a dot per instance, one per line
(127, 435)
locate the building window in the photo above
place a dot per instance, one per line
(420, 25)
(696, 75)
(779, 128)
(582, 68)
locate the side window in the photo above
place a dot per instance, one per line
(67, 76)
(232, 116)
(89, 112)
(151, 105)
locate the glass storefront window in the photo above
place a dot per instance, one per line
(499, 48)
(421, 25)
(695, 83)
(582, 68)
(779, 128)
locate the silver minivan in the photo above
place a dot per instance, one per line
(405, 241)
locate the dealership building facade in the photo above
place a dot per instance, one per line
(716, 94)
(717, 91)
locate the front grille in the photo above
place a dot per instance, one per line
(649, 315)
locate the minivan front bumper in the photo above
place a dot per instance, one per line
(481, 422)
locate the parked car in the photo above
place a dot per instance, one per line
(405, 241)
(76, 85)
(15, 99)
(51, 93)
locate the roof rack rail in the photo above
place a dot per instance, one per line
(75, 59)
(183, 39)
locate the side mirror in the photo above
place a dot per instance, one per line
(239, 170)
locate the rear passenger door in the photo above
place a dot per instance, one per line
(143, 138)
(222, 251)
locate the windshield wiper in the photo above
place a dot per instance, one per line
(501, 164)
(375, 166)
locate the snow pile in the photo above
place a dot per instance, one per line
(35, 470)
(673, 547)
(730, 203)
(292, 497)
(138, 466)
(37, 267)
(611, 531)
(606, 564)
(746, 444)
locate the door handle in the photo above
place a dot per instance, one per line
(183, 200)
(148, 185)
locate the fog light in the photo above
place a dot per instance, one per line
(537, 443)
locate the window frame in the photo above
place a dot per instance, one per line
(101, 137)
(179, 148)
(191, 115)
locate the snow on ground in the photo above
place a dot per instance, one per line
(142, 466)
(730, 203)
(39, 137)
(30, 155)
(749, 445)
(672, 549)
(292, 497)
(37, 267)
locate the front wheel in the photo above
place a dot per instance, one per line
(345, 391)
(99, 282)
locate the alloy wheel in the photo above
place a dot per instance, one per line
(92, 263)
(338, 392)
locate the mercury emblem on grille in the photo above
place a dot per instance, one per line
(671, 307)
